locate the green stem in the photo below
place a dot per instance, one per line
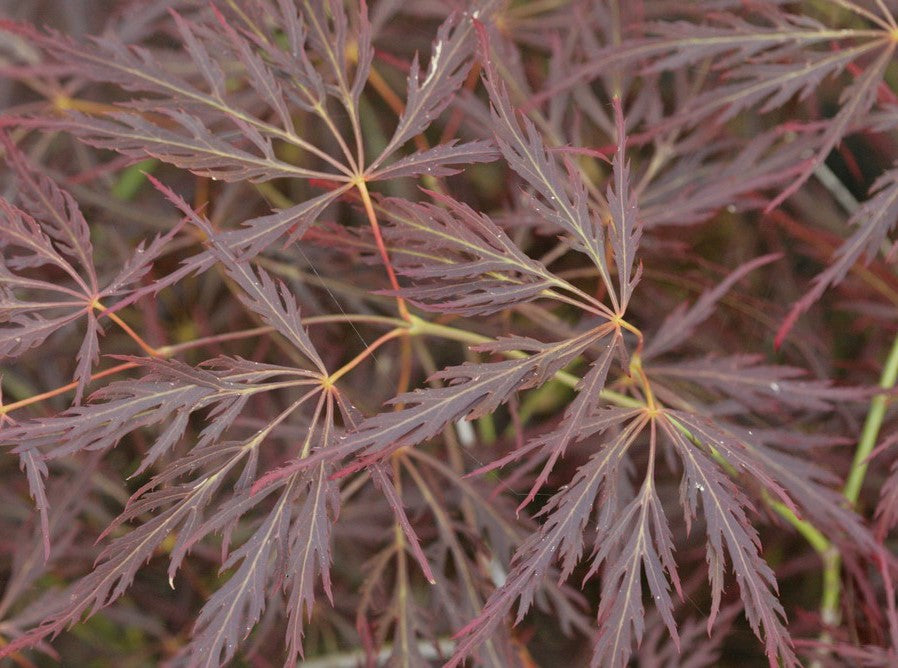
(832, 581)
(870, 434)
(812, 534)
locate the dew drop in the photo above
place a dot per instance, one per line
(139, 250)
(731, 208)
(18, 339)
(700, 487)
(775, 387)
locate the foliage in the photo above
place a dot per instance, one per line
(488, 325)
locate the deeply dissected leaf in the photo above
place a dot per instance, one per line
(730, 39)
(677, 327)
(758, 386)
(563, 201)
(472, 390)
(875, 219)
(59, 211)
(444, 247)
(641, 540)
(36, 469)
(273, 302)
(730, 534)
(800, 484)
(561, 536)
(120, 561)
(231, 612)
(630, 136)
(27, 321)
(447, 69)
(701, 183)
(571, 429)
(169, 388)
(309, 553)
(437, 161)
(182, 139)
(625, 226)
(61, 238)
(189, 140)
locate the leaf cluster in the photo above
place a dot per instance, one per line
(487, 324)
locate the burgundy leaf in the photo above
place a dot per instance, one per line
(59, 211)
(309, 553)
(472, 390)
(875, 218)
(730, 534)
(626, 229)
(437, 161)
(561, 536)
(427, 97)
(677, 327)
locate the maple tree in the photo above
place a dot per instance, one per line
(485, 324)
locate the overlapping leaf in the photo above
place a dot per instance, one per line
(639, 542)
(309, 553)
(175, 390)
(563, 201)
(25, 246)
(58, 240)
(730, 534)
(232, 611)
(444, 246)
(119, 562)
(472, 390)
(727, 38)
(274, 303)
(875, 218)
(57, 209)
(706, 179)
(759, 387)
(176, 125)
(170, 391)
(427, 97)
(572, 427)
(274, 90)
(560, 536)
(62, 242)
(802, 485)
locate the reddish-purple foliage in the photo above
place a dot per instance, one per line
(488, 324)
